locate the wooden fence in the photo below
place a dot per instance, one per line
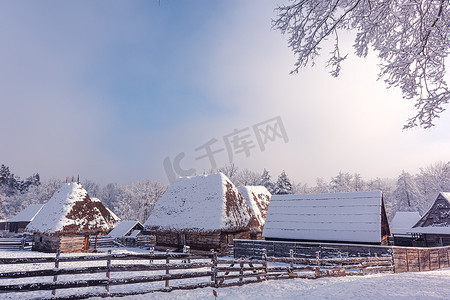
(407, 259)
(141, 241)
(173, 271)
(255, 248)
(12, 243)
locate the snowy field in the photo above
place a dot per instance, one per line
(424, 285)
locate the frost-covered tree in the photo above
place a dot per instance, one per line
(9, 184)
(267, 182)
(300, 188)
(283, 185)
(110, 195)
(342, 183)
(431, 180)
(138, 199)
(229, 170)
(406, 193)
(246, 177)
(92, 188)
(358, 183)
(321, 186)
(411, 38)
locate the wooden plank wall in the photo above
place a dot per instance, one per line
(420, 259)
(255, 248)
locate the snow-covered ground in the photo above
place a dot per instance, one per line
(424, 285)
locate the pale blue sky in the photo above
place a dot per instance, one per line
(109, 89)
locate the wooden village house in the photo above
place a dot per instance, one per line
(67, 219)
(433, 229)
(203, 212)
(19, 222)
(401, 224)
(358, 217)
(126, 229)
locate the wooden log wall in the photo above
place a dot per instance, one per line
(420, 259)
(217, 240)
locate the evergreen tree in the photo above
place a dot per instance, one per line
(266, 182)
(283, 185)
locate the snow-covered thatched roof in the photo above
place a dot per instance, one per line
(403, 221)
(115, 217)
(28, 214)
(124, 228)
(437, 219)
(70, 210)
(346, 217)
(201, 203)
(258, 198)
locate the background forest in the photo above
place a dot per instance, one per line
(408, 192)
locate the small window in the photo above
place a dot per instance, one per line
(40, 239)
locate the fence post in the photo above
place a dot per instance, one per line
(55, 277)
(151, 252)
(265, 261)
(167, 267)
(108, 272)
(291, 265)
(187, 250)
(317, 271)
(22, 243)
(214, 268)
(241, 271)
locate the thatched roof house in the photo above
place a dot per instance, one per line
(357, 217)
(203, 212)
(67, 219)
(433, 229)
(257, 198)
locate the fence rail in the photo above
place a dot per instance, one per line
(174, 271)
(141, 241)
(12, 243)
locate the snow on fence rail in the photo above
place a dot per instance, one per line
(172, 271)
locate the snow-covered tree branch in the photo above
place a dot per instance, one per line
(412, 39)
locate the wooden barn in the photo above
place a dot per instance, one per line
(19, 222)
(257, 198)
(203, 212)
(401, 224)
(357, 217)
(433, 229)
(126, 228)
(67, 219)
